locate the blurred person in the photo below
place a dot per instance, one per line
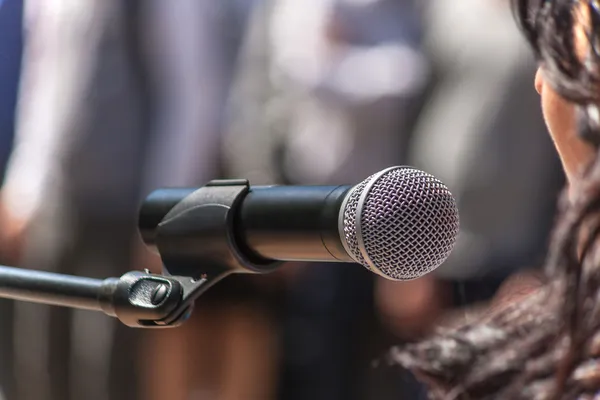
(228, 350)
(481, 133)
(325, 94)
(118, 98)
(541, 343)
(69, 199)
(335, 76)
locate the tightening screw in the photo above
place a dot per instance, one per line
(159, 294)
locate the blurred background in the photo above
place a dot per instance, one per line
(103, 101)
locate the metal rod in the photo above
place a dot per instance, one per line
(50, 288)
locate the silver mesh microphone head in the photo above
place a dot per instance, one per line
(400, 223)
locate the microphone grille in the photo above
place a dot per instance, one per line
(401, 223)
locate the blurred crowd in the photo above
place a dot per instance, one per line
(103, 101)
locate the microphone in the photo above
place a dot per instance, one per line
(400, 223)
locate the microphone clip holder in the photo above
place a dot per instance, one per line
(144, 300)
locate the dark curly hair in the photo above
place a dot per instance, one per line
(546, 345)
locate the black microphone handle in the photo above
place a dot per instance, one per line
(293, 223)
(285, 223)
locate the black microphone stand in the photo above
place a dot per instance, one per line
(175, 228)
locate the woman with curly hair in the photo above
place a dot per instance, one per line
(545, 344)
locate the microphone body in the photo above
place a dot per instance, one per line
(400, 223)
(284, 223)
(293, 223)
